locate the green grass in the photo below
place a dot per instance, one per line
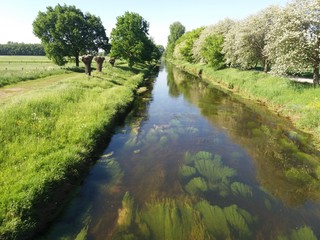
(14, 69)
(48, 138)
(298, 101)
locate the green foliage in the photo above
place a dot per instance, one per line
(66, 31)
(21, 49)
(211, 51)
(48, 137)
(184, 45)
(130, 41)
(176, 31)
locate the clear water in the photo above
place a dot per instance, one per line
(193, 162)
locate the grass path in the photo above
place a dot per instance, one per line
(21, 88)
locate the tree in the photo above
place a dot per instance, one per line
(130, 41)
(211, 51)
(219, 29)
(294, 41)
(184, 45)
(245, 43)
(66, 32)
(176, 31)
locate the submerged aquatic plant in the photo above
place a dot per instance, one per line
(213, 175)
(167, 218)
(196, 186)
(241, 189)
(304, 232)
(187, 171)
(228, 223)
(125, 214)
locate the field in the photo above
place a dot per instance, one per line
(49, 137)
(14, 69)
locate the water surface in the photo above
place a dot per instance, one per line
(193, 162)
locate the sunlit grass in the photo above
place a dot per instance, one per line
(14, 69)
(48, 137)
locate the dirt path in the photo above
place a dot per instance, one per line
(7, 92)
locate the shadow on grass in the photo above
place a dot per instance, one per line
(75, 69)
(128, 69)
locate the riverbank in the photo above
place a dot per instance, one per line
(49, 139)
(297, 101)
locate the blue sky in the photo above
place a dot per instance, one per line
(17, 16)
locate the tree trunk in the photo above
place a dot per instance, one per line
(77, 60)
(99, 61)
(266, 66)
(87, 59)
(316, 74)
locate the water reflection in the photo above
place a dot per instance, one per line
(286, 165)
(193, 162)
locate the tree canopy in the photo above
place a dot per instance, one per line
(283, 39)
(294, 40)
(66, 31)
(176, 31)
(130, 40)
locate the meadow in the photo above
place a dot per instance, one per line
(297, 101)
(49, 138)
(14, 69)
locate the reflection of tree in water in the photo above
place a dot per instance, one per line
(173, 87)
(285, 164)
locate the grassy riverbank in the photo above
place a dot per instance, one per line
(297, 101)
(48, 140)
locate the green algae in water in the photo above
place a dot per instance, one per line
(299, 176)
(192, 130)
(214, 220)
(196, 186)
(228, 223)
(152, 136)
(187, 171)
(213, 174)
(181, 219)
(163, 140)
(125, 214)
(304, 233)
(191, 158)
(213, 169)
(241, 189)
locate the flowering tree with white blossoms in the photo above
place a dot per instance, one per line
(294, 40)
(245, 43)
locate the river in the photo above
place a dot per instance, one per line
(194, 162)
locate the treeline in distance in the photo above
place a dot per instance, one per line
(27, 49)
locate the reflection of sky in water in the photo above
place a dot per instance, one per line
(150, 151)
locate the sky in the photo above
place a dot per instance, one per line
(17, 16)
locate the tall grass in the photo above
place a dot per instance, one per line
(298, 101)
(47, 141)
